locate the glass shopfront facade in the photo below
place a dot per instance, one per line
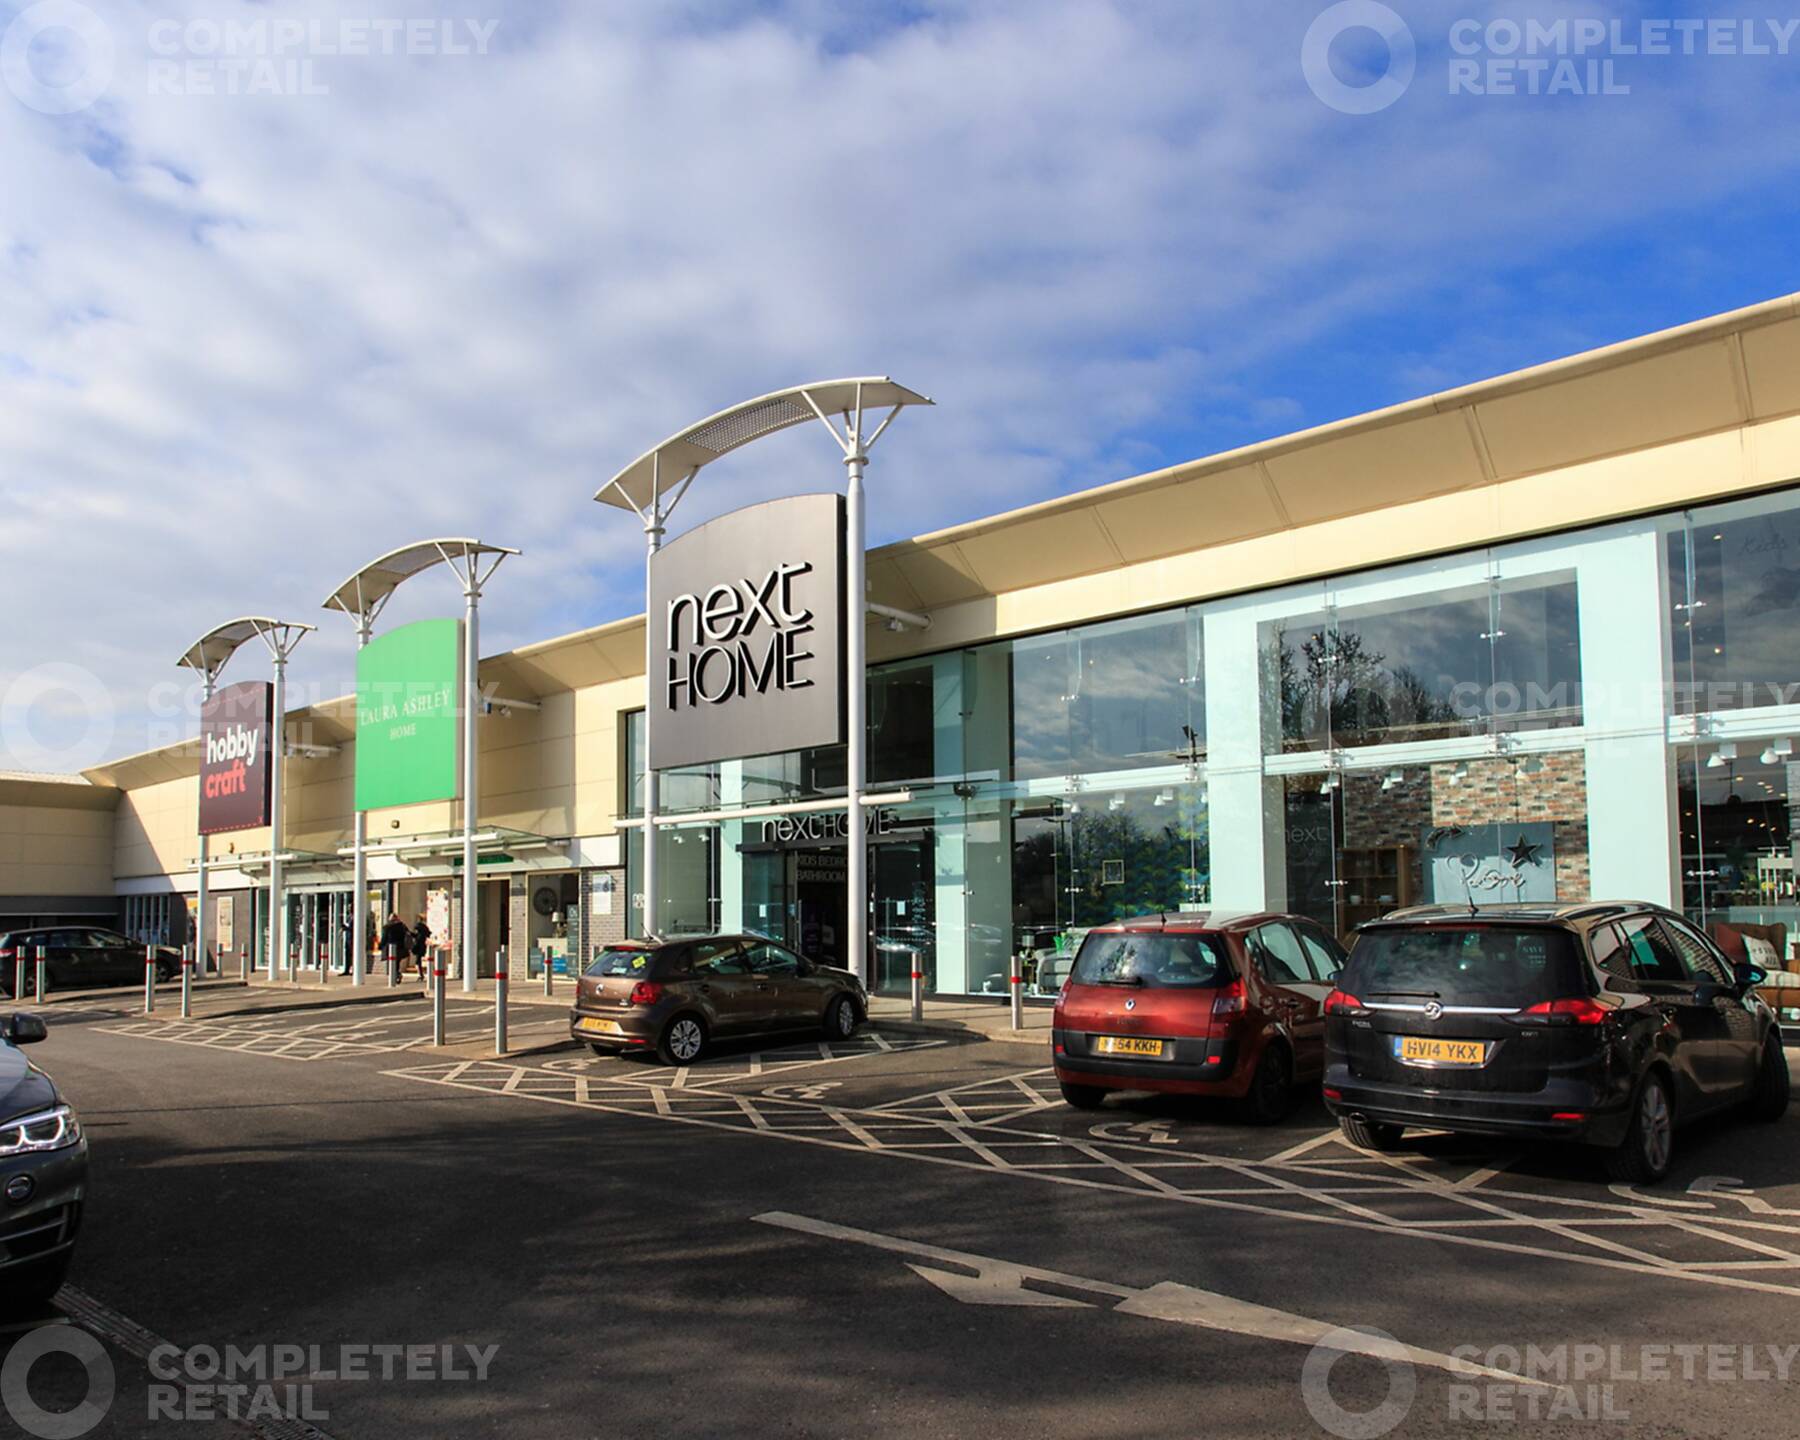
(1600, 713)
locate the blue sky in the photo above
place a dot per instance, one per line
(248, 341)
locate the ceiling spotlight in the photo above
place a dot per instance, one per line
(1328, 784)
(1458, 774)
(1116, 803)
(1392, 778)
(1727, 751)
(1165, 797)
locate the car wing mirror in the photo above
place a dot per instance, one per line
(1748, 976)
(25, 1029)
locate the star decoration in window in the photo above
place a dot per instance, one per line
(1523, 852)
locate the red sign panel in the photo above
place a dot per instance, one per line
(234, 758)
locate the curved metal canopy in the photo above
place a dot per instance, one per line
(660, 469)
(209, 653)
(368, 589)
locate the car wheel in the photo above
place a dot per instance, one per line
(1644, 1155)
(1083, 1097)
(840, 1018)
(33, 1285)
(1272, 1086)
(1772, 1082)
(683, 1041)
(1370, 1134)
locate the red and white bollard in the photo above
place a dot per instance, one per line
(149, 979)
(918, 993)
(43, 975)
(437, 999)
(1015, 982)
(500, 983)
(19, 976)
(187, 983)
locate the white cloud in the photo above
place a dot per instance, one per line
(248, 342)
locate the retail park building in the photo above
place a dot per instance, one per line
(1535, 638)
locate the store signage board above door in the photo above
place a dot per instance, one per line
(234, 758)
(408, 715)
(747, 635)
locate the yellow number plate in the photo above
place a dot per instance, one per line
(598, 1027)
(1127, 1045)
(1419, 1050)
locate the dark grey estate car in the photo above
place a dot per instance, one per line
(1607, 1023)
(674, 997)
(43, 1173)
(79, 957)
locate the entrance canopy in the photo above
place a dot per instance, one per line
(677, 459)
(368, 589)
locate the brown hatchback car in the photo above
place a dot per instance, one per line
(675, 997)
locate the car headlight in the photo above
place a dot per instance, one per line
(55, 1129)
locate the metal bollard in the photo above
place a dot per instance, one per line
(244, 964)
(393, 969)
(501, 979)
(549, 979)
(325, 964)
(187, 983)
(43, 975)
(149, 979)
(19, 975)
(437, 1001)
(1016, 983)
(918, 995)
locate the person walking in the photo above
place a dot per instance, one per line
(421, 943)
(395, 941)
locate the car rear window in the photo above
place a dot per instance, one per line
(1510, 965)
(1152, 958)
(622, 960)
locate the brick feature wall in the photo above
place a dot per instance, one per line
(1494, 792)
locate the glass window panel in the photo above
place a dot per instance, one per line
(1735, 585)
(1487, 831)
(1736, 829)
(1537, 654)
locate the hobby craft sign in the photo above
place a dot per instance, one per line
(234, 758)
(747, 635)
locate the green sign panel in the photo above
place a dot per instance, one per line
(408, 725)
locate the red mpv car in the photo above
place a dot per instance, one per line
(1204, 1004)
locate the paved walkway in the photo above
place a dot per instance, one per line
(214, 998)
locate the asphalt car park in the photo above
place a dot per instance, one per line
(903, 1209)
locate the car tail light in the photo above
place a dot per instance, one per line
(1571, 1115)
(1339, 1001)
(645, 992)
(1230, 1000)
(1331, 1094)
(1576, 1010)
(6, 954)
